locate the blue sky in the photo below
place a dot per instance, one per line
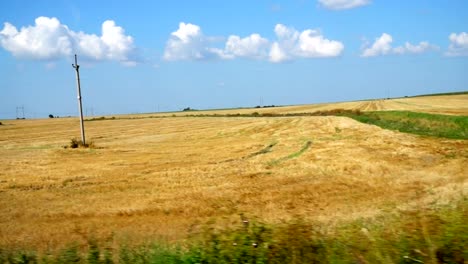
(145, 56)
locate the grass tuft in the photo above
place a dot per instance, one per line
(78, 143)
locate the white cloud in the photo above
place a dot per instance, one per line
(422, 47)
(458, 44)
(277, 54)
(189, 43)
(306, 44)
(48, 39)
(383, 46)
(117, 43)
(312, 44)
(253, 46)
(343, 4)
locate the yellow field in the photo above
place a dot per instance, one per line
(164, 178)
(451, 105)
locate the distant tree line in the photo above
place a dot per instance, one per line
(265, 106)
(189, 109)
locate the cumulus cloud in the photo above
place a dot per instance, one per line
(458, 44)
(383, 46)
(253, 46)
(409, 48)
(277, 54)
(49, 40)
(306, 44)
(343, 4)
(189, 43)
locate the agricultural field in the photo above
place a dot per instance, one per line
(436, 104)
(163, 179)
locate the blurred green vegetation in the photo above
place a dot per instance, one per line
(414, 236)
(446, 126)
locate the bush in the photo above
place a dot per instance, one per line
(51, 116)
(77, 143)
(189, 109)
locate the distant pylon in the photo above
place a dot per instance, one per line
(20, 112)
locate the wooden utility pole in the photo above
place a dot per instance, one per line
(77, 67)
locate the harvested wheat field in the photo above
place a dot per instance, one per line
(443, 104)
(163, 178)
(436, 104)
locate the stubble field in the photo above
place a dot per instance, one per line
(437, 104)
(164, 178)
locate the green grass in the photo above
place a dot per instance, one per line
(445, 126)
(265, 150)
(418, 236)
(292, 155)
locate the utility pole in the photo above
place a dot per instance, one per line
(77, 67)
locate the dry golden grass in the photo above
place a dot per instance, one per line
(443, 104)
(164, 177)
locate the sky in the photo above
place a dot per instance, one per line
(149, 56)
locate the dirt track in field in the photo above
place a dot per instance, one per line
(163, 178)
